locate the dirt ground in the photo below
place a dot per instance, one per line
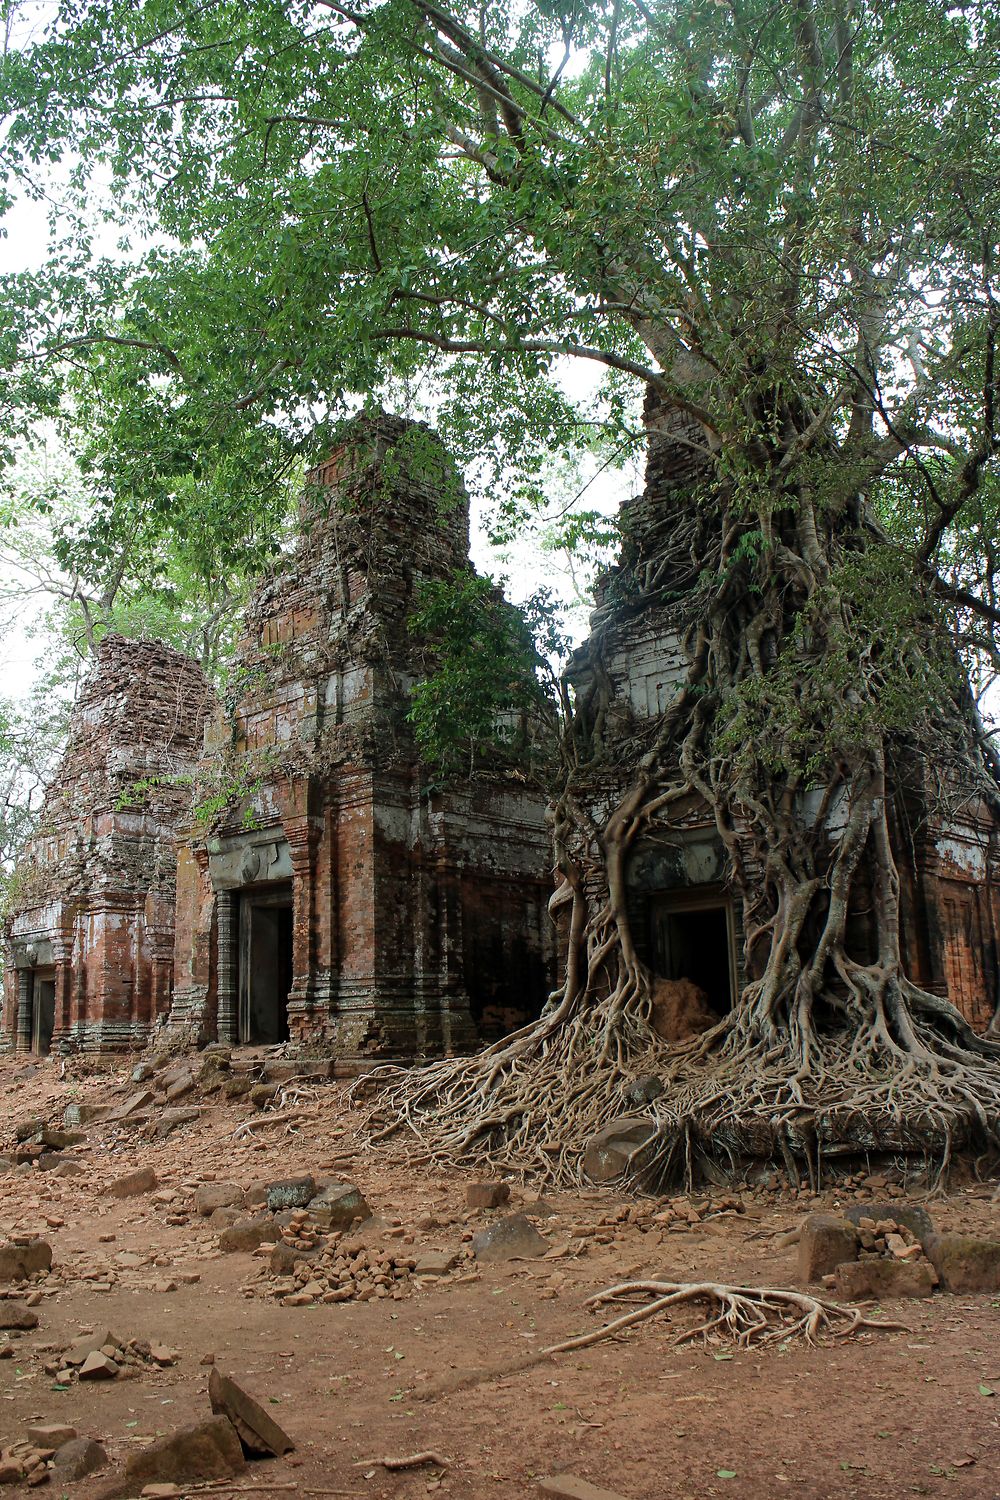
(898, 1413)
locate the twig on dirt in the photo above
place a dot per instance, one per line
(749, 1316)
(223, 1488)
(410, 1461)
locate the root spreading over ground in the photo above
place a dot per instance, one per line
(747, 1316)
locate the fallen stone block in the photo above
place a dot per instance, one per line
(258, 1432)
(435, 1263)
(18, 1262)
(644, 1089)
(339, 1204)
(207, 1450)
(101, 1338)
(283, 1258)
(569, 1487)
(512, 1238)
(622, 1146)
(281, 1070)
(209, 1196)
(77, 1458)
(290, 1192)
(51, 1434)
(858, 1280)
(247, 1235)
(133, 1105)
(965, 1263)
(84, 1113)
(134, 1184)
(180, 1087)
(16, 1316)
(487, 1194)
(825, 1242)
(263, 1094)
(172, 1118)
(60, 1140)
(98, 1366)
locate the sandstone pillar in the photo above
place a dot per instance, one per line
(22, 1035)
(226, 967)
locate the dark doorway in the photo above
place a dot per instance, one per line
(43, 1013)
(265, 968)
(693, 940)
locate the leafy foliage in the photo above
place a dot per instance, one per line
(483, 690)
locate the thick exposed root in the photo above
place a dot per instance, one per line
(744, 1315)
(530, 1104)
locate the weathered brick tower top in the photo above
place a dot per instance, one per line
(326, 653)
(96, 884)
(134, 735)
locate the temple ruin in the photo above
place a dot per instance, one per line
(338, 897)
(285, 868)
(90, 942)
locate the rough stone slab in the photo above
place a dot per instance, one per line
(965, 1263)
(77, 1458)
(134, 1184)
(248, 1234)
(207, 1450)
(16, 1315)
(258, 1432)
(98, 1366)
(51, 1434)
(825, 1242)
(18, 1262)
(436, 1263)
(83, 1113)
(279, 1070)
(619, 1147)
(486, 1194)
(512, 1238)
(858, 1280)
(340, 1203)
(212, 1195)
(290, 1192)
(131, 1106)
(569, 1487)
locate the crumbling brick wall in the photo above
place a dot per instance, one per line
(94, 913)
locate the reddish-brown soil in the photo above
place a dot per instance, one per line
(885, 1414)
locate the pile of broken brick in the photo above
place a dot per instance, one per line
(101, 1355)
(874, 1251)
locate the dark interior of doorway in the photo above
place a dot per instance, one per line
(43, 1013)
(694, 942)
(265, 965)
